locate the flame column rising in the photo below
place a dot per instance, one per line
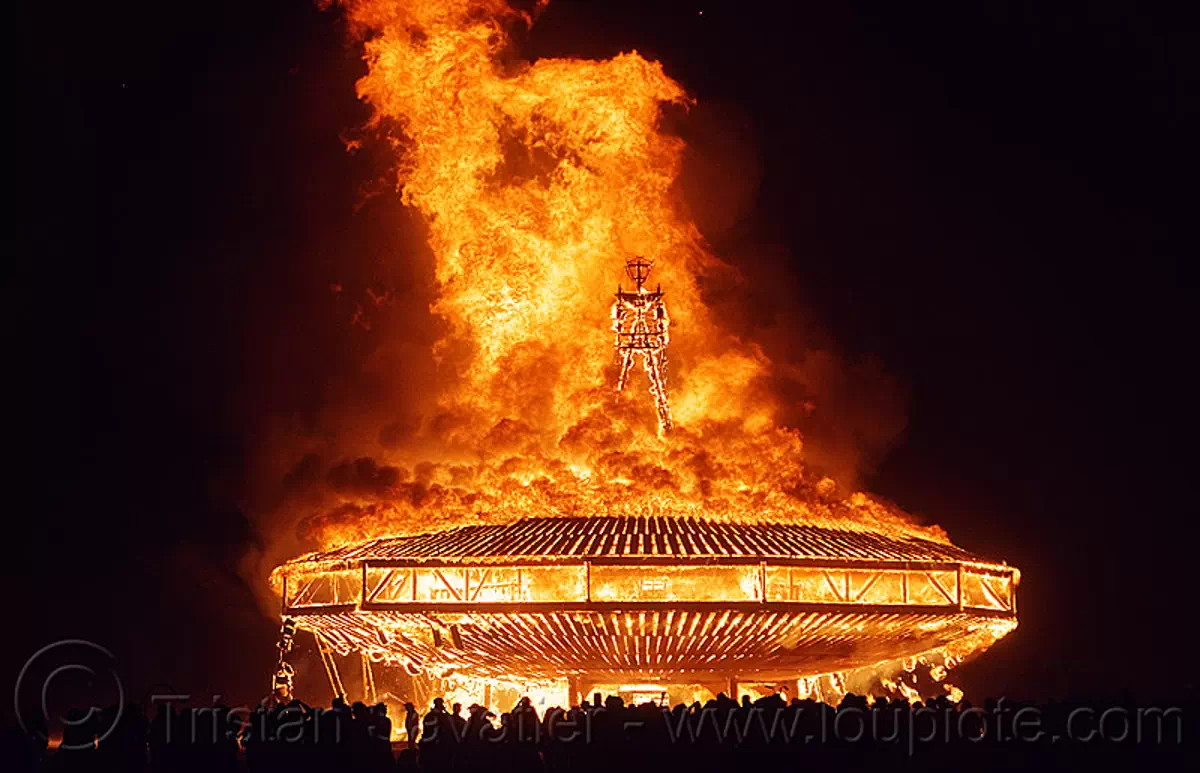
(533, 179)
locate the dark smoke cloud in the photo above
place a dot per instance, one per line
(365, 476)
(848, 407)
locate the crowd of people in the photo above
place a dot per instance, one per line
(606, 735)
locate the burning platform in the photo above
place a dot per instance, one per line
(655, 599)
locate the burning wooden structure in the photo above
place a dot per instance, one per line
(652, 599)
(532, 181)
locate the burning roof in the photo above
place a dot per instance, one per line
(655, 536)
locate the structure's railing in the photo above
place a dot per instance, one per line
(411, 586)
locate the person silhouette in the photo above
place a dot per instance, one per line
(412, 725)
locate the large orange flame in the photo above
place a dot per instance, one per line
(537, 182)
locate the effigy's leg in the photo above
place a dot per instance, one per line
(655, 363)
(626, 366)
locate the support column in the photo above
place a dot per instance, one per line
(733, 687)
(331, 669)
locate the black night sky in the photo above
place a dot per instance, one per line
(984, 200)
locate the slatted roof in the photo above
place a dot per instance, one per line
(616, 537)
